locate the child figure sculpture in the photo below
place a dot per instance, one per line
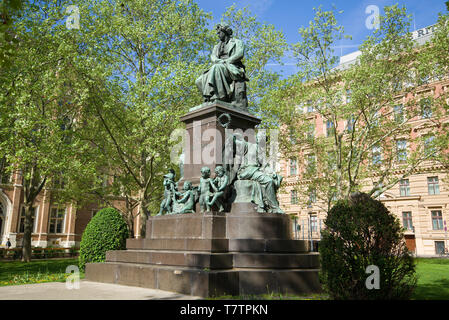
(188, 197)
(204, 189)
(219, 185)
(169, 193)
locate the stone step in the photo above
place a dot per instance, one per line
(220, 225)
(206, 283)
(203, 260)
(220, 245)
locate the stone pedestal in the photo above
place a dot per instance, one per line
(204, 133)
(212, 255)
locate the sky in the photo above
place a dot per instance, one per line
(290, 15)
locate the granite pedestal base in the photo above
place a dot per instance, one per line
(214, 254)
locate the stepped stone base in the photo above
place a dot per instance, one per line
(214, 254)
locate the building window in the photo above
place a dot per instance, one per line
(313, 223)
(426, 108)
(311, 131)
(57, 220)
(293, 167)
(437, 220)
(33, 220)
(404, 187)
(407, 220)
(429, 146)
(348, 96)
(439, 247)
(399, 113)
(310, 107)
(311, 163)
(312, 196)
(433, 185)
(401, 146)
(377, 155)
(329, 128)
(350, 124)
(294, 197)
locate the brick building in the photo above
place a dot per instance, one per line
(53, 225)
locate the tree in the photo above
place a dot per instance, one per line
(363, 253)
(41, 110)
(364, 119)
(8, 40)
(148, 54)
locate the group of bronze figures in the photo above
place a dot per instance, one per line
(244, 178)
(209, 193)
(217, 194)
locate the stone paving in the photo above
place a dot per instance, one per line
(87, 291)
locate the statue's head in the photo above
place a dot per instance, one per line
(219, 171)
(187, 185)
(223, 31)
(205, 172)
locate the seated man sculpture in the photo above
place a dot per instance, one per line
(225, 80)
(245, 166)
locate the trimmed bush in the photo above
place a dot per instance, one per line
(106, 231)
(359, 233)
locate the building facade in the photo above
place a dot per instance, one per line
(420, 201)
(53, 225)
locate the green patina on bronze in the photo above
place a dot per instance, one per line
(225, 80)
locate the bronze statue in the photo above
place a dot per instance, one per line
(225, 80)
(187, 198)
(169, 193)
(204, 189)
(219, 184)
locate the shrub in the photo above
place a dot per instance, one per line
(106, 231)
(358, 233)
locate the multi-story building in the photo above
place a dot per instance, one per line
(53, 224)
(420, 201)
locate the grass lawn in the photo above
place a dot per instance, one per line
(36, 271)
(433, 279)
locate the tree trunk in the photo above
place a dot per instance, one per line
(143, 214)
(26, 249)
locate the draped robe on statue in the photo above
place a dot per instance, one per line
(217, 82)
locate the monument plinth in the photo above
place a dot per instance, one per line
(212, 255)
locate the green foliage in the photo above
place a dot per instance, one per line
(361, 232)
(106, 231)
(355, 104)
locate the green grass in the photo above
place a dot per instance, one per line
(433, 279)
(38, 271)
(433, 284)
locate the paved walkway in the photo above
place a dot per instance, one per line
(87, 291)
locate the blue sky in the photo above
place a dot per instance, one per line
(289, 15)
